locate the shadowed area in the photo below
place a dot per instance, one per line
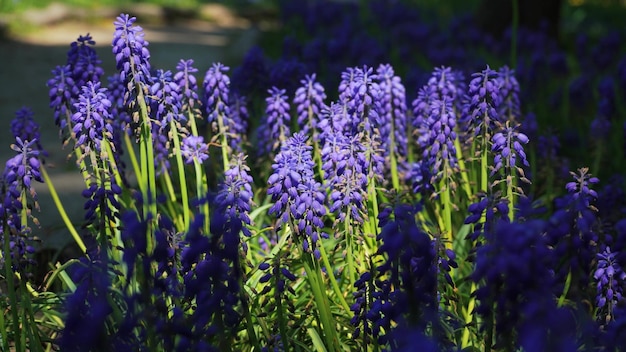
(27, 59)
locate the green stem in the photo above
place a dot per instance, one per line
(224, 146)
(3, 332)
(201, 194)
(148, 180)
(192, 122)
(333, 280)
(372, 205)
(468, 315)
(510, 195)
(484, 164)
(182, 179)
(246, 311)
(61, 209)
(462, 167)
(314, 277)
(444, 188)
(10, 278)
(568, 283)
(133, 157)
(349, 233)
(395, 179)
(321, 301)
(29, 317)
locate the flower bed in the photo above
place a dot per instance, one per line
(220, 219)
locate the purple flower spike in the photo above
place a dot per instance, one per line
(309, 102)
(297, 196)
(275, 129)
(25, 127)
(235, 196)
(91, 120)
(440, 148)
(187, 84)
(237, 122)
(62, 91)
(194, 149)
(24, 167)
(345, 166)
(84, 62)
(165, 101)
(131, 51)
(216, 92)
(610, 279)
(509, 87)
(485, 99)
(507, 146)
(391, 107)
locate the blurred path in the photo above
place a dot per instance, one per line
(26, 62)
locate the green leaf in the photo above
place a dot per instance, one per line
(317, 340)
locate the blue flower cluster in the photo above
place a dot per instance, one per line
(299, 199)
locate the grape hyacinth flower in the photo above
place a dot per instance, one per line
(276, 121)
(91, 119)
(194, 149)
(187, 85)
(252, 76)
(391, 108)
(514, 274)
(25, 127)
(610, 280)
(283, 72)
(131, 51)
(507, 147)
(216, 96)
(573, 230)
(495, 210)
(435, 113)
(234, 199)
(165, 108)
(441, 152)
(165, 100)
(87, 307)
(509, 88)
(211, 278)
(15, 188)
(84, 62)
(298, 198)
(364, 91)
(405, 293)
(132, 62)
(333, 119)
(309, 102)
(61, 94)
(484, 101)
(102, 201)
(23, 168)
(122, 121)
(345, 166)
(238, 122)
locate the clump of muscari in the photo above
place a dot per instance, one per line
(310, 257)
